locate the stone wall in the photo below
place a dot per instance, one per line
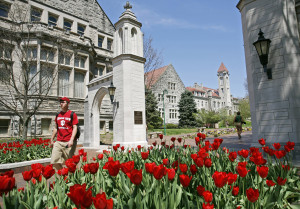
(274, 103)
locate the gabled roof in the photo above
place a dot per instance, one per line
(222, 68)
(153, 76)
(194, 89)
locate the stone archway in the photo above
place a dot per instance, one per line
(97, 90)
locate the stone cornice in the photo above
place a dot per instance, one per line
(100, 79)
(129, 57)
(243, 3)
(135, 22)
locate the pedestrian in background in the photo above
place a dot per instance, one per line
(238, 121)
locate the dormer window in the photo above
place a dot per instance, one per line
(52, 20)
(67, 25)
(36, 15)
(4, 9)
(80, 30)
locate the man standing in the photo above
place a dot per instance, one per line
(66, 129)
(238, 121)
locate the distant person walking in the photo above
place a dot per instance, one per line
(238, 121)
(66, 130)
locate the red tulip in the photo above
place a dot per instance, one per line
(114, 168)
(277, 146)
(208, 196)
(232, 156)
(242, 171)
(81, 152)
(262, 141)
(281, 181)
(135, 176)
(165, 161)
(200, 190)
(48, 171)
(127, 167)
(252, 194)
(280, 154)
(93, 167)
(80, 196)
(179, 139)
(183, 168)
(86, 168)
(76, 158)
(207, 206)
(185, 180)
(6, 184)
(215, 145)
(193, 169)
(149, 167)
(244, 153)
(161, 136)
(9, 173)
(144, 155)
(36, 173)
(154, 143)
(197, 140)
(231, 178)
(173, 139)
(262, 171)
(37, 166)
(220, 179)
(207, 162)
(290, 145)
(270, 183)
(159, 172)
(100, 202)
(199, 162)
(27, 175)
(115, 148)
(171, 173)
(21, 189)
(235, 190)
(100, 156)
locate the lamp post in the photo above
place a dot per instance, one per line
(111, 92)
(164, 92)
(262, 46)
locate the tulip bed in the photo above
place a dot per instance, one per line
(26, 150)
(207, 176)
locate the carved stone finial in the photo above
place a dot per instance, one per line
(127, 6)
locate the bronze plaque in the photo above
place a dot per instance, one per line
(138, 117)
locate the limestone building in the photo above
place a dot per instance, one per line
(274, 103)
(215, 99)
(74, 39)
(166, 78)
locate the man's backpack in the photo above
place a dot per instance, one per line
(78, 128)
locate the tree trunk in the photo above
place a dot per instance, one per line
(25, 128)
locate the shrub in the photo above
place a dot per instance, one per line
(171, 126)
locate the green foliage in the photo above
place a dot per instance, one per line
(171, 126)
(244, 108)
(187, 108)
(208, 118)
(177, 131)
(153, 118)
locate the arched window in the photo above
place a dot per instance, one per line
(133, 41)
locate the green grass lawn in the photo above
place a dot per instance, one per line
(171, 132)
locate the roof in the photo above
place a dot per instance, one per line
(194, 89)
(222, 68)
(153, 76)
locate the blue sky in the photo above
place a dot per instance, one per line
(194, 35)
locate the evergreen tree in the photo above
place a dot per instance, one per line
(153, 118)
(187, 108)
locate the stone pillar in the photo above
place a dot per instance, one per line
(128, 78)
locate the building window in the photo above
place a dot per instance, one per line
(202, 104)
(161, 111)
(80, 29)
(63, 82)
(160, 97)
(67, 25)
(99, 71)
(52, 20)
(100, 41)
(36, 15)
(4, 126)
(65, 58)
(5, 53)
(47, 54)
(45, 123)
(171, 86)
(172, 99)
(46, 79)
(33, 80)
(80, 62)
(31, 53)
(173, 113)
(109, 44)
(4, 9)
(79, 85)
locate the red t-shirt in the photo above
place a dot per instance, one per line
(64, 126)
